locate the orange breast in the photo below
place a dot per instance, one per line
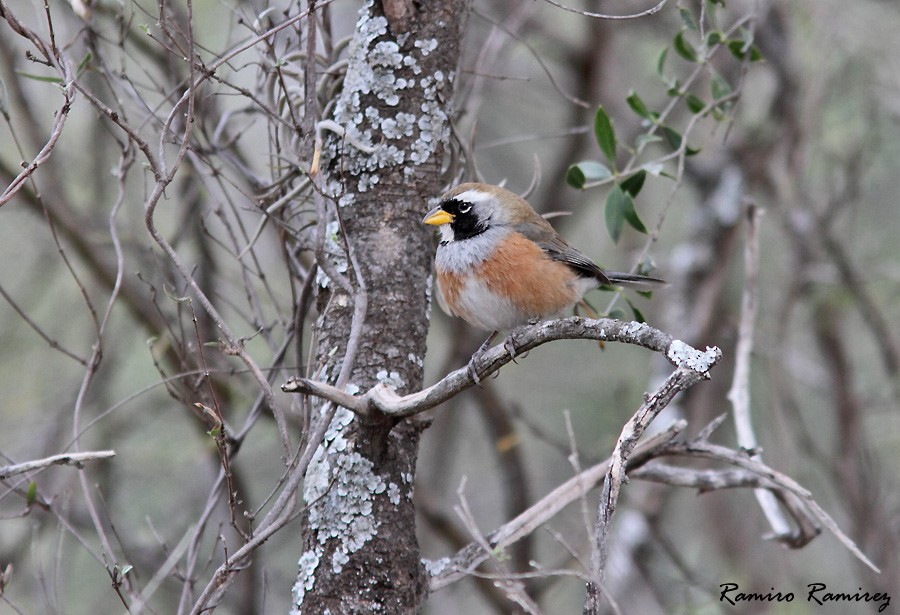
(450, 286)
(536, 284)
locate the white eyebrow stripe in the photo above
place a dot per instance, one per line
(473, 196)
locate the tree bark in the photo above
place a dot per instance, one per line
(361, 554)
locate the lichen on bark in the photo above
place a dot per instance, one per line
(360, 553)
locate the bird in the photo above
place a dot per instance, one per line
(499, 264)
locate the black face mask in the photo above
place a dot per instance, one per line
(465, 223)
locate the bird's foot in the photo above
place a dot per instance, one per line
(472, 366)
(509, 345)
(473, 369)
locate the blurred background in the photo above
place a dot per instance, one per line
(809, 132)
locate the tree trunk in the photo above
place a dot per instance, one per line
(360, 549)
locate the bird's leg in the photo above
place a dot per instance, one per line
(509, 344)
(476, 357)
(589, 309)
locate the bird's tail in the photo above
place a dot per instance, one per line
(636, 282)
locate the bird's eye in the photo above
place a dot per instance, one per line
(465, 208)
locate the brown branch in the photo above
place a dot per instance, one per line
(643, 464)
(64, 68)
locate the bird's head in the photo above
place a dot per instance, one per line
(470, 209)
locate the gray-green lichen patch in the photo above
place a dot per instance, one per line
(308, 563)
(335, 251)
(391, 116)
(437, 566)
(686, 356)
(390, 379)
(340, 490)
(392, 73)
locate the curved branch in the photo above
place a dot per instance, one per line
(653, 9)
(384, 400)
(447, 571)
(703, 449)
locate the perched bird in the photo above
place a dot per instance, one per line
(500, 264)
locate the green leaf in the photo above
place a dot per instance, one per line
(694, 103)
(633, 184)
(39, 77)
(687, 18)
(614, 212)
(674, 88)
(713, 39)
(646, 266)
(632, 218)
(606, 135)
(672, 136)
(674, 139)
(575, 177)
(620, 209)
(637, 105)
(661, 61)
(668, 175)
(31, 493)
(618, 314)
(587, 170)
(638, 315)
(740, 50)
(719, 87)
(83, 64)
(684, 48)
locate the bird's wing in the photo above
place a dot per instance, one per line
(557, 248)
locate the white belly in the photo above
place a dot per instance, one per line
(492, 312)
(486, 310)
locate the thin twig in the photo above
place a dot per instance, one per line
(653, 9)
(739, 394)
(68, 459)
(704, 449)
(448, 571)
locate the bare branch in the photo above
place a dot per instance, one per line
(653, 9)
(701, 448)
(381, 398)
(681, 379)
(739, 394)
(63, 459)
(446, 572)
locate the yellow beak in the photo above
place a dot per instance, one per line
(437, 217)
